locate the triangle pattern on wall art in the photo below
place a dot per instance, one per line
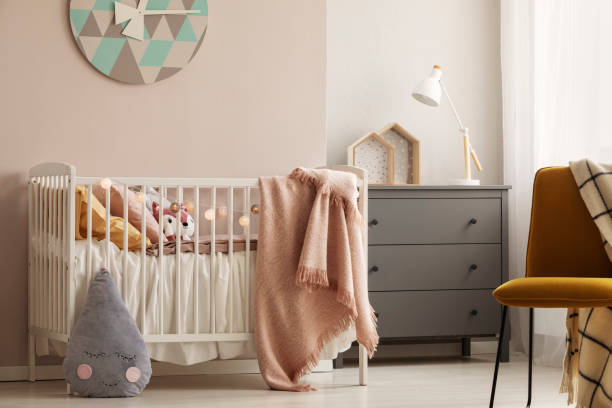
(126, 69)
(104, 18)
(91, 28)
(162, 32)
(151, 23)
(89, 45)
(170, 40)
(175, 23)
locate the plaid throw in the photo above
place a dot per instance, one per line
(587, 376)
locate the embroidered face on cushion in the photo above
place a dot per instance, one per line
(106, 372)
(170, 220)
(106, 355)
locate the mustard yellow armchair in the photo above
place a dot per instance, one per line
(566, 263)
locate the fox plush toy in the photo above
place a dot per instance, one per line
(170, 219)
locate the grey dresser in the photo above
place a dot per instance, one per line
(435, 255)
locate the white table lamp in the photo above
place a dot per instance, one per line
(429, 92)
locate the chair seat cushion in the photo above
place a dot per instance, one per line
(555, 292)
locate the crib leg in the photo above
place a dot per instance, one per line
(31, 357)
(363, 365)
(68, 388)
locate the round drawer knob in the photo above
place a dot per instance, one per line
(473, 312)
(473, 221)
(374, 268)
(473, 267)
(374, 222)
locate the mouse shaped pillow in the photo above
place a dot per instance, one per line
(106, 355)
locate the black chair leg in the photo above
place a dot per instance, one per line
(499, 349)
(530, 357)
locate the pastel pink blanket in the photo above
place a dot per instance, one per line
(311, 281)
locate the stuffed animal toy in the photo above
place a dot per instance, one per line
(169, 219)
(106, 355)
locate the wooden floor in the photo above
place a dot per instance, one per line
(432, 382)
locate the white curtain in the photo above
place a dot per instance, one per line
(556, 58)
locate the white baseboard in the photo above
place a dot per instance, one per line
(55, 372)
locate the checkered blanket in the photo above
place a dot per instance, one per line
(587, 376)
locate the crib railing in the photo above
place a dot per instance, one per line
(51, 230)
(196, 186)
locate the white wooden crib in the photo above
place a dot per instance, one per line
(51, 256)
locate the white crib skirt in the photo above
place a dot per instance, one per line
(229, 294)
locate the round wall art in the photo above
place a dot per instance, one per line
(139, 41)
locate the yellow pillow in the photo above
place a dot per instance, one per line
(98, 222)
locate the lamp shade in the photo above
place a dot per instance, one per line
(429, 90)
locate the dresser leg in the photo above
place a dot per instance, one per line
(338, 362)
(466, 347)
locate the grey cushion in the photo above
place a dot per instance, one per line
(106, 356)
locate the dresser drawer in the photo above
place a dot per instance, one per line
(434, 221)
(426, 267)
(436, 313)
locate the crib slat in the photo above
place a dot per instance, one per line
(196, 277)
(65, 240)
(162, 277)
(107, 228)
(230, 255)
(34, 249)
(89, 240)
(213, 258)
(49, 212)
(178, 301)
(124, 274)
(247, 256)
(52, 260)
(30, 253)
(143, 263)
(40, 251)
(56, 255)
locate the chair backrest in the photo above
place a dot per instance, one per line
(563, 240)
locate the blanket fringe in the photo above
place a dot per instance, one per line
(313, 359)
(311, 278)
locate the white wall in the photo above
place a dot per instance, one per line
(378, 51)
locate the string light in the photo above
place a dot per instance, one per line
(222, 211)
(255, 208)
(140, 197)
(244, 220)
(209, 214)
(175, 207)
(189, 206)
(106, 183)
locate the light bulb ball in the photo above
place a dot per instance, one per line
(140, 197)
(189, 206)
(106, 183)
(209, 214)
(255, 208)
(222, 211)
(244, 220)
(175, 207)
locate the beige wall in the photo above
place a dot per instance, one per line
(377, 53)
(251, 103)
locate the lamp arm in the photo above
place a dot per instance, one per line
(452, 105)
(464, 130)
